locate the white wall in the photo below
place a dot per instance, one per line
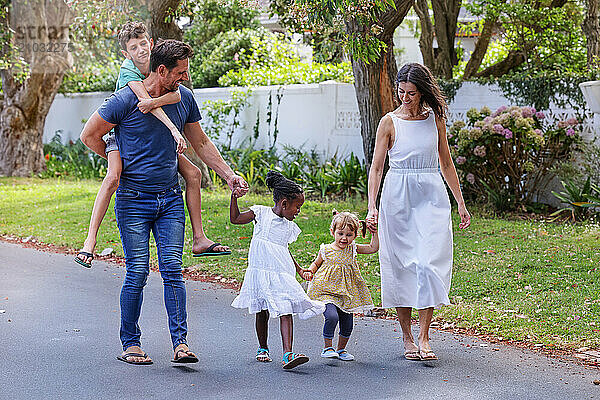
(322, 116)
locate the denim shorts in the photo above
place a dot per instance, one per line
(111, 142)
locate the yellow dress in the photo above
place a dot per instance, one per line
(338, 280)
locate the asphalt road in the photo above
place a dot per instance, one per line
(59, 339)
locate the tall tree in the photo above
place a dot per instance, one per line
(443, 27)
(489, 25)
(40, 44)
(368, 28)
(591, 29)
(539, 33)
(36, 53)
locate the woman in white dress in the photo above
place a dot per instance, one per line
(413, 219)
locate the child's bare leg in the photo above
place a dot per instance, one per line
(342, 342)
(262, 328)
(110, 183)
(286, 324)
(193, 199)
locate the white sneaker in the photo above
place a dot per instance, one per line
(344, 355)
(329, 352)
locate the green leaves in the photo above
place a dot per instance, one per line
(579, 199)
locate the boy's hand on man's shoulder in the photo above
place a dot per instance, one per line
(146, 105)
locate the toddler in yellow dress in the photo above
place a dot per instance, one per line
(337, 282)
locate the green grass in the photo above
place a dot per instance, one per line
(517, 279)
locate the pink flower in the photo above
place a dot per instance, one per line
(507, 133)
(236, 57)
(527, 112)
(538, 132)
(479, 151)
(540, 115)
(570, 132)
(487, 120)
(470, 178)
(499, 129)
(572, 121)
(461, 160)
(501, 109)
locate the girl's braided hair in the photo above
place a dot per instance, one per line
(282, 187)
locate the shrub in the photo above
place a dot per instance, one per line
(223, 53)
(95, 78)
(72, 160)
(508, 156)
(297, 72)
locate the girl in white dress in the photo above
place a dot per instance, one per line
(270, 287)
(415, 229)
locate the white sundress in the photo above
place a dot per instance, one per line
(415, 229)
(270, 280)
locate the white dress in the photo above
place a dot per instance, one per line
(415, 229)
(270, 280)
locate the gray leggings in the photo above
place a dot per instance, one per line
(333, 315)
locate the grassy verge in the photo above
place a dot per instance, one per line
(520, 280)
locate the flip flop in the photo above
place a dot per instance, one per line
(187, 359)
(83, 263)
(412, 355)
(427, 355)
(210, 251)
(291, 360)
(124, 358)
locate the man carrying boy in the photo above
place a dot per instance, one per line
(149, 197)
(136, 45)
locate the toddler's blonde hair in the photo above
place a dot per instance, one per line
(344, 219)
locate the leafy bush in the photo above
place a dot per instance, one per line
(347, 177)
(212, 17)
(508, 156)
(297, 72)
(222, 54)
(73, 160)
(580, 200)
(95, 78)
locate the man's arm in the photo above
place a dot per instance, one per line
(92, 133)
(211, 156)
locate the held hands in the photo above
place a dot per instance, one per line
(306, 274)
(146, 105)
(180, 140)
(465, 217)
(238, 186)
(371, 220)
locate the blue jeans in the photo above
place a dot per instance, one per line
(137, 214)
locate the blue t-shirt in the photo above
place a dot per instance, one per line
(148, 151)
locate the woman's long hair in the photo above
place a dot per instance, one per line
(426, 84)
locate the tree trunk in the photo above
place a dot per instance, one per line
(591, 29)
(480, 48)
(427, 33)
(161, 21)
(374, 83)
(512, 60)
(38, 25)
(445, 13)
